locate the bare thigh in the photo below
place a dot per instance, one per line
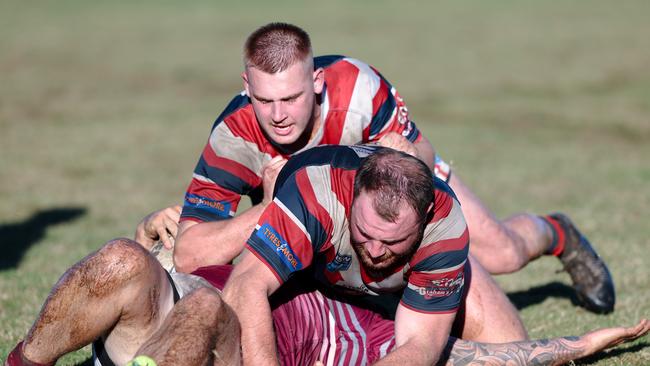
(500, 246)
(487, 314)
(146, 305)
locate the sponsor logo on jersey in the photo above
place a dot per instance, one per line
(443, 287)
(273, 240)
(221, 208)
(340, 263)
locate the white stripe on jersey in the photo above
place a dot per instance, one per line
(393, 91)
(226, 145)
(360, 107)
(320, 178)
(293, 218)
(202, 178)
(451, 227)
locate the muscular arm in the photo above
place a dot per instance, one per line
(420, 338)
(216, 242)
(219, 242)
(556, 351)
(247, 293)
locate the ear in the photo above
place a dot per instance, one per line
(319, 80)
(244, 76)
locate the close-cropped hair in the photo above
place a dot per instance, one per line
(394, 177)
(275, 47)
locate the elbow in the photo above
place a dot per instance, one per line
(185, 259)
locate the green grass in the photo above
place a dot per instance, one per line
(541, 106)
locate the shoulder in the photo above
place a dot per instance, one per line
(236, 131)
(332, 157)
(236, 108)
(339, 64)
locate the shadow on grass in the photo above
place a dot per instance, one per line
(536, 295)
(613, 353)
(86, 362)
(18, 237)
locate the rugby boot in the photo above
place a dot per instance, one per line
(591, 278)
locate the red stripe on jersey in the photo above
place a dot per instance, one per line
(238, 170)
(377, 101)
(441, 246)
(243, 123)
(313, 206)
(213, 191)
(290, 232)
(341, 79)
(342, 182)
(442, 205)
(423, 279)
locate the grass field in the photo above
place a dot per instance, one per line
(541, 106)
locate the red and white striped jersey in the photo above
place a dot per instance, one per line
(358, 105)
(307, 226)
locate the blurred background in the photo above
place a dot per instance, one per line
(539, 106)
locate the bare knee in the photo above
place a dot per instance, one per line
(512, 257)
(506, 258)
(114, 264)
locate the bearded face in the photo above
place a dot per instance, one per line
(383, 246)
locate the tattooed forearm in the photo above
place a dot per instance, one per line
(556, 351)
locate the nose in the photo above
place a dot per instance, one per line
(277, 112)
(375, 249)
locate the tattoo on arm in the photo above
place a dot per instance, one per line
(554, 351)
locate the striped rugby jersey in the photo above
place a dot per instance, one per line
(307, 226)
(358, 105)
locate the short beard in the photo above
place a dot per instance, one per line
(396, 260)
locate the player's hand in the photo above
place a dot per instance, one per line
(601, 339)
(270, 172)
(159, 225)
(398, 142)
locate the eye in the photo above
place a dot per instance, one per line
(290, 100)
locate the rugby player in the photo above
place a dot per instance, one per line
(293, 101)
(121, 300)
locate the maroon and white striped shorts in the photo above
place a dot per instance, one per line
(310, 327)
